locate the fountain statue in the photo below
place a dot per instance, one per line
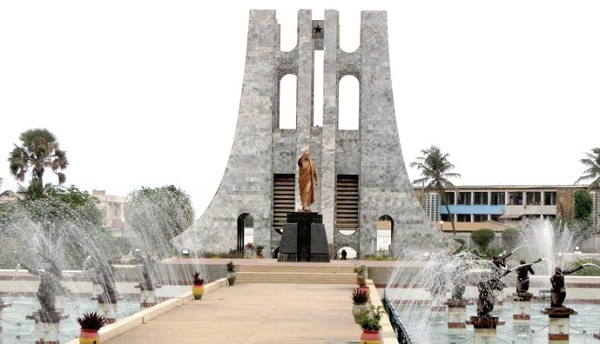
(49, 289)
(523, 272)
(421, 277)
(558, 291)
(486, 288)
(147, 285)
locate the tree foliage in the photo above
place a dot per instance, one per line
(435, 171)
(39, 150)
(592, 162)
(482, 237)
(164, 211)
(510, 237)
(81, 201)
(583, 205)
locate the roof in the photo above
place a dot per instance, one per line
(473, 226)
(511, 216)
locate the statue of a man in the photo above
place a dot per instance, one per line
(523, 272)
(307, 180)
(558, 291)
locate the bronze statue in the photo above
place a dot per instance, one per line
(558, 291)
(523, 272)
(307, 180)
(499, 264)
(486, 288)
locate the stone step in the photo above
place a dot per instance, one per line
(324, 269)
(295, 277)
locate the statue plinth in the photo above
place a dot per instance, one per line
(485, 322)
(522, 296)
(304, 239)
(453, 303)
(558, 329)
(485, 328)
(559, 312)
(107, 298)
(51, 317)
(457, 314)
(522, 308)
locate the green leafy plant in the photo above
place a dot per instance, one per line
(589, 270)
(91, 321)
(259, 249)
(370, 319)
(198, 279)
(482, 237)
(359, 296)
(360, 269)
(230, 267)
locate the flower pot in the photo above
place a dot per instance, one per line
(357, 308)
(231, 277)
(370, 337)
(259, 256)
(198, 291)
(89, 336)
(365, 289)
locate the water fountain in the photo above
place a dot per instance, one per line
(57, 266)
(421, 280)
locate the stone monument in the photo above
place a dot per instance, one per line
(362, 174)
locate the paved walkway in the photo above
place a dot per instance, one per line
(256, 313)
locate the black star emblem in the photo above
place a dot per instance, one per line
(318, 29)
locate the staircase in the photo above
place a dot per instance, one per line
(289, 273)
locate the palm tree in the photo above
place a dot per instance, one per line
(39, 151)
(592, 162)
(435, 170)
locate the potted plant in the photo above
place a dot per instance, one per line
(370, 323)
(259, 251)
(231, 272)
(90, 324)
(359, 302)
(198, 286)
(360, 270)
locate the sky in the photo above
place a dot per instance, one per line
(146, 93)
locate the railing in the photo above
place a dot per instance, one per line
(401, 333)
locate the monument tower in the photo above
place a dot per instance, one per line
(362, 175)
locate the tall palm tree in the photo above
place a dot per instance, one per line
(39, 150)
(435, 170)
(592, 162)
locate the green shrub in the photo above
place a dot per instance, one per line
(482, 237)
(588, 270)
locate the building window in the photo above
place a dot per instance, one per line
(463, 218)
(480, 217)
(464, 198)
(534, 198)
(450, 199)
(549, 197)
(480, 198)
(431, 204)
(515, 198)
(498, 198)
(495, 218)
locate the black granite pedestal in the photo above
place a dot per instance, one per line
(304, 239)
